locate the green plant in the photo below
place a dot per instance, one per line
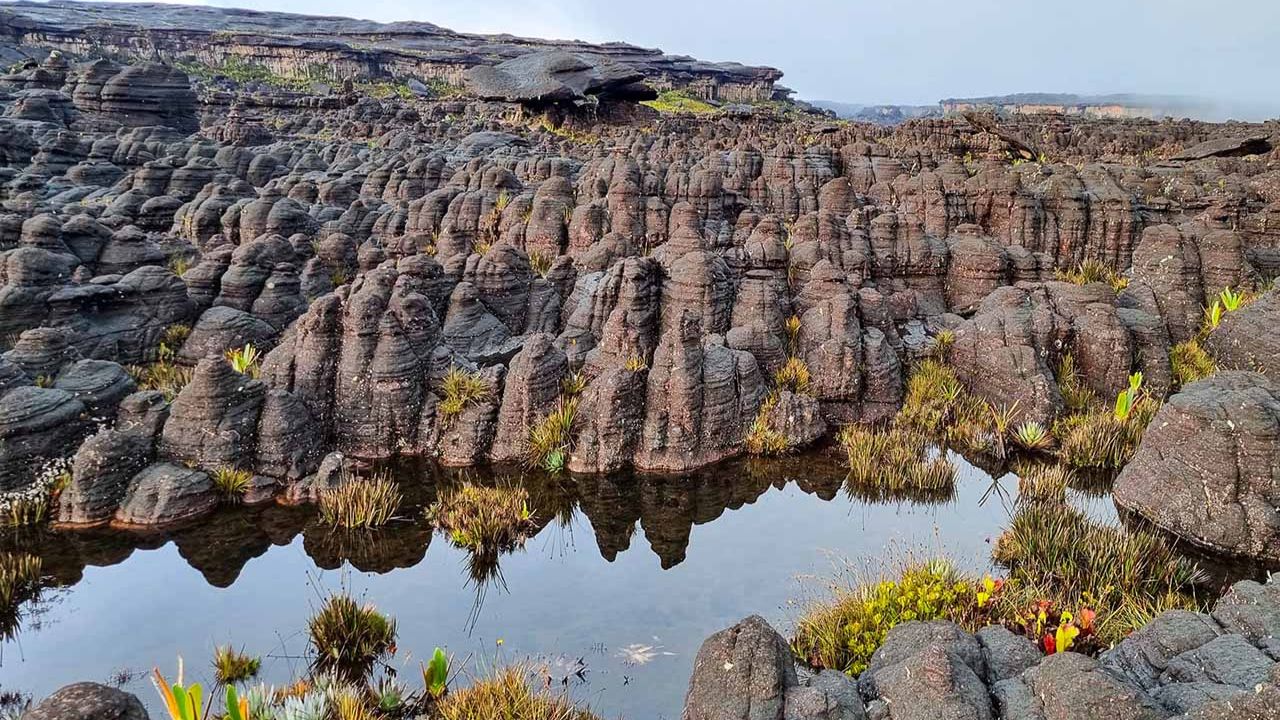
(237, 707)
(1231, 300)
(507, 693)
(793, 376)
(1041, 482)
(462, 388)
(636, 363)
(1212, 317)
(1075, 394)
(942, 343)
(245, 360)
(1190, 362)
(843, 632)
(792, 326)
(232, 666)
(182, 702)
(484, 519)
(356, 503)
(166, 377)
(232, 482)
(541, 262)
(1099, 438)
(44, 381)
(1002, 421)
(1032, 437)
(552, 437)
(680, 101)
(21, 577)
(349, 638)
(435, 675)
(1056, 552)
(574, 383)
(1127, 399)
(894, 460)
(1090, 271)
(762, 437)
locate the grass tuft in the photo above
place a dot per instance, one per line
(20, 582)
(231, 666)
(357, 503)
(551, 439)
(1090, 271)
(232, 482)
(793, 376)
(349, 638)
(894, 460)
(762, 437)
(484, 519)
(167, 377)
(462, 388)
(245, 360)
(508, 693)
(1191, 362)
(1055, 551)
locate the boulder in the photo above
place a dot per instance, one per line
(88, 701)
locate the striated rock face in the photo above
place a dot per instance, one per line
(1247, 340)
(166, 494)
(1208, 467)
(36, 425)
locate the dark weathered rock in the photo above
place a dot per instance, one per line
(741, 673)
(88, 701)
(36, 425)
(1208, 467)
(166, 494)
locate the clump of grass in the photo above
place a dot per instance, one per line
(507, 693)
(574, 383)
(349, 638)
(1100, 439)
(894, 460)
(1191, 362)
(1090, 271)
(680, 101)
(1043, 482)
(550, 440)
(44, 381)
(1055, 551)
(942, 343)
(245, 360)
(462, 388)
(793, 376)
(636, 363)
(1075, 394)
(338, 277)
(232, 482)
(762, 437)
(179, 264)
(843, 632)
(231, 666)
(792, 326)
(484, 519)
(937, 406)
(167, 377)
(175, 335)
(357, 503)
(541, 262)
(20, 582)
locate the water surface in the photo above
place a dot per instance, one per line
(615, 593)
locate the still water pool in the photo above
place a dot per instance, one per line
(614, 594)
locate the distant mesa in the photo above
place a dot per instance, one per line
(306, 49)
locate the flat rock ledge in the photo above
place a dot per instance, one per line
(1220, 665)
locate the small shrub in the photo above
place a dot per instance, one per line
(357, 503)
(348, 638)
(232, 666)
(1058, 553)
(484, 519)
(462, 388)
(1190, 362)
(507, 693)
(793, 376)
(245, 360)
(232, 482)
(842, 633)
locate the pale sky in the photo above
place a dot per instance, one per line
(906, 51)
